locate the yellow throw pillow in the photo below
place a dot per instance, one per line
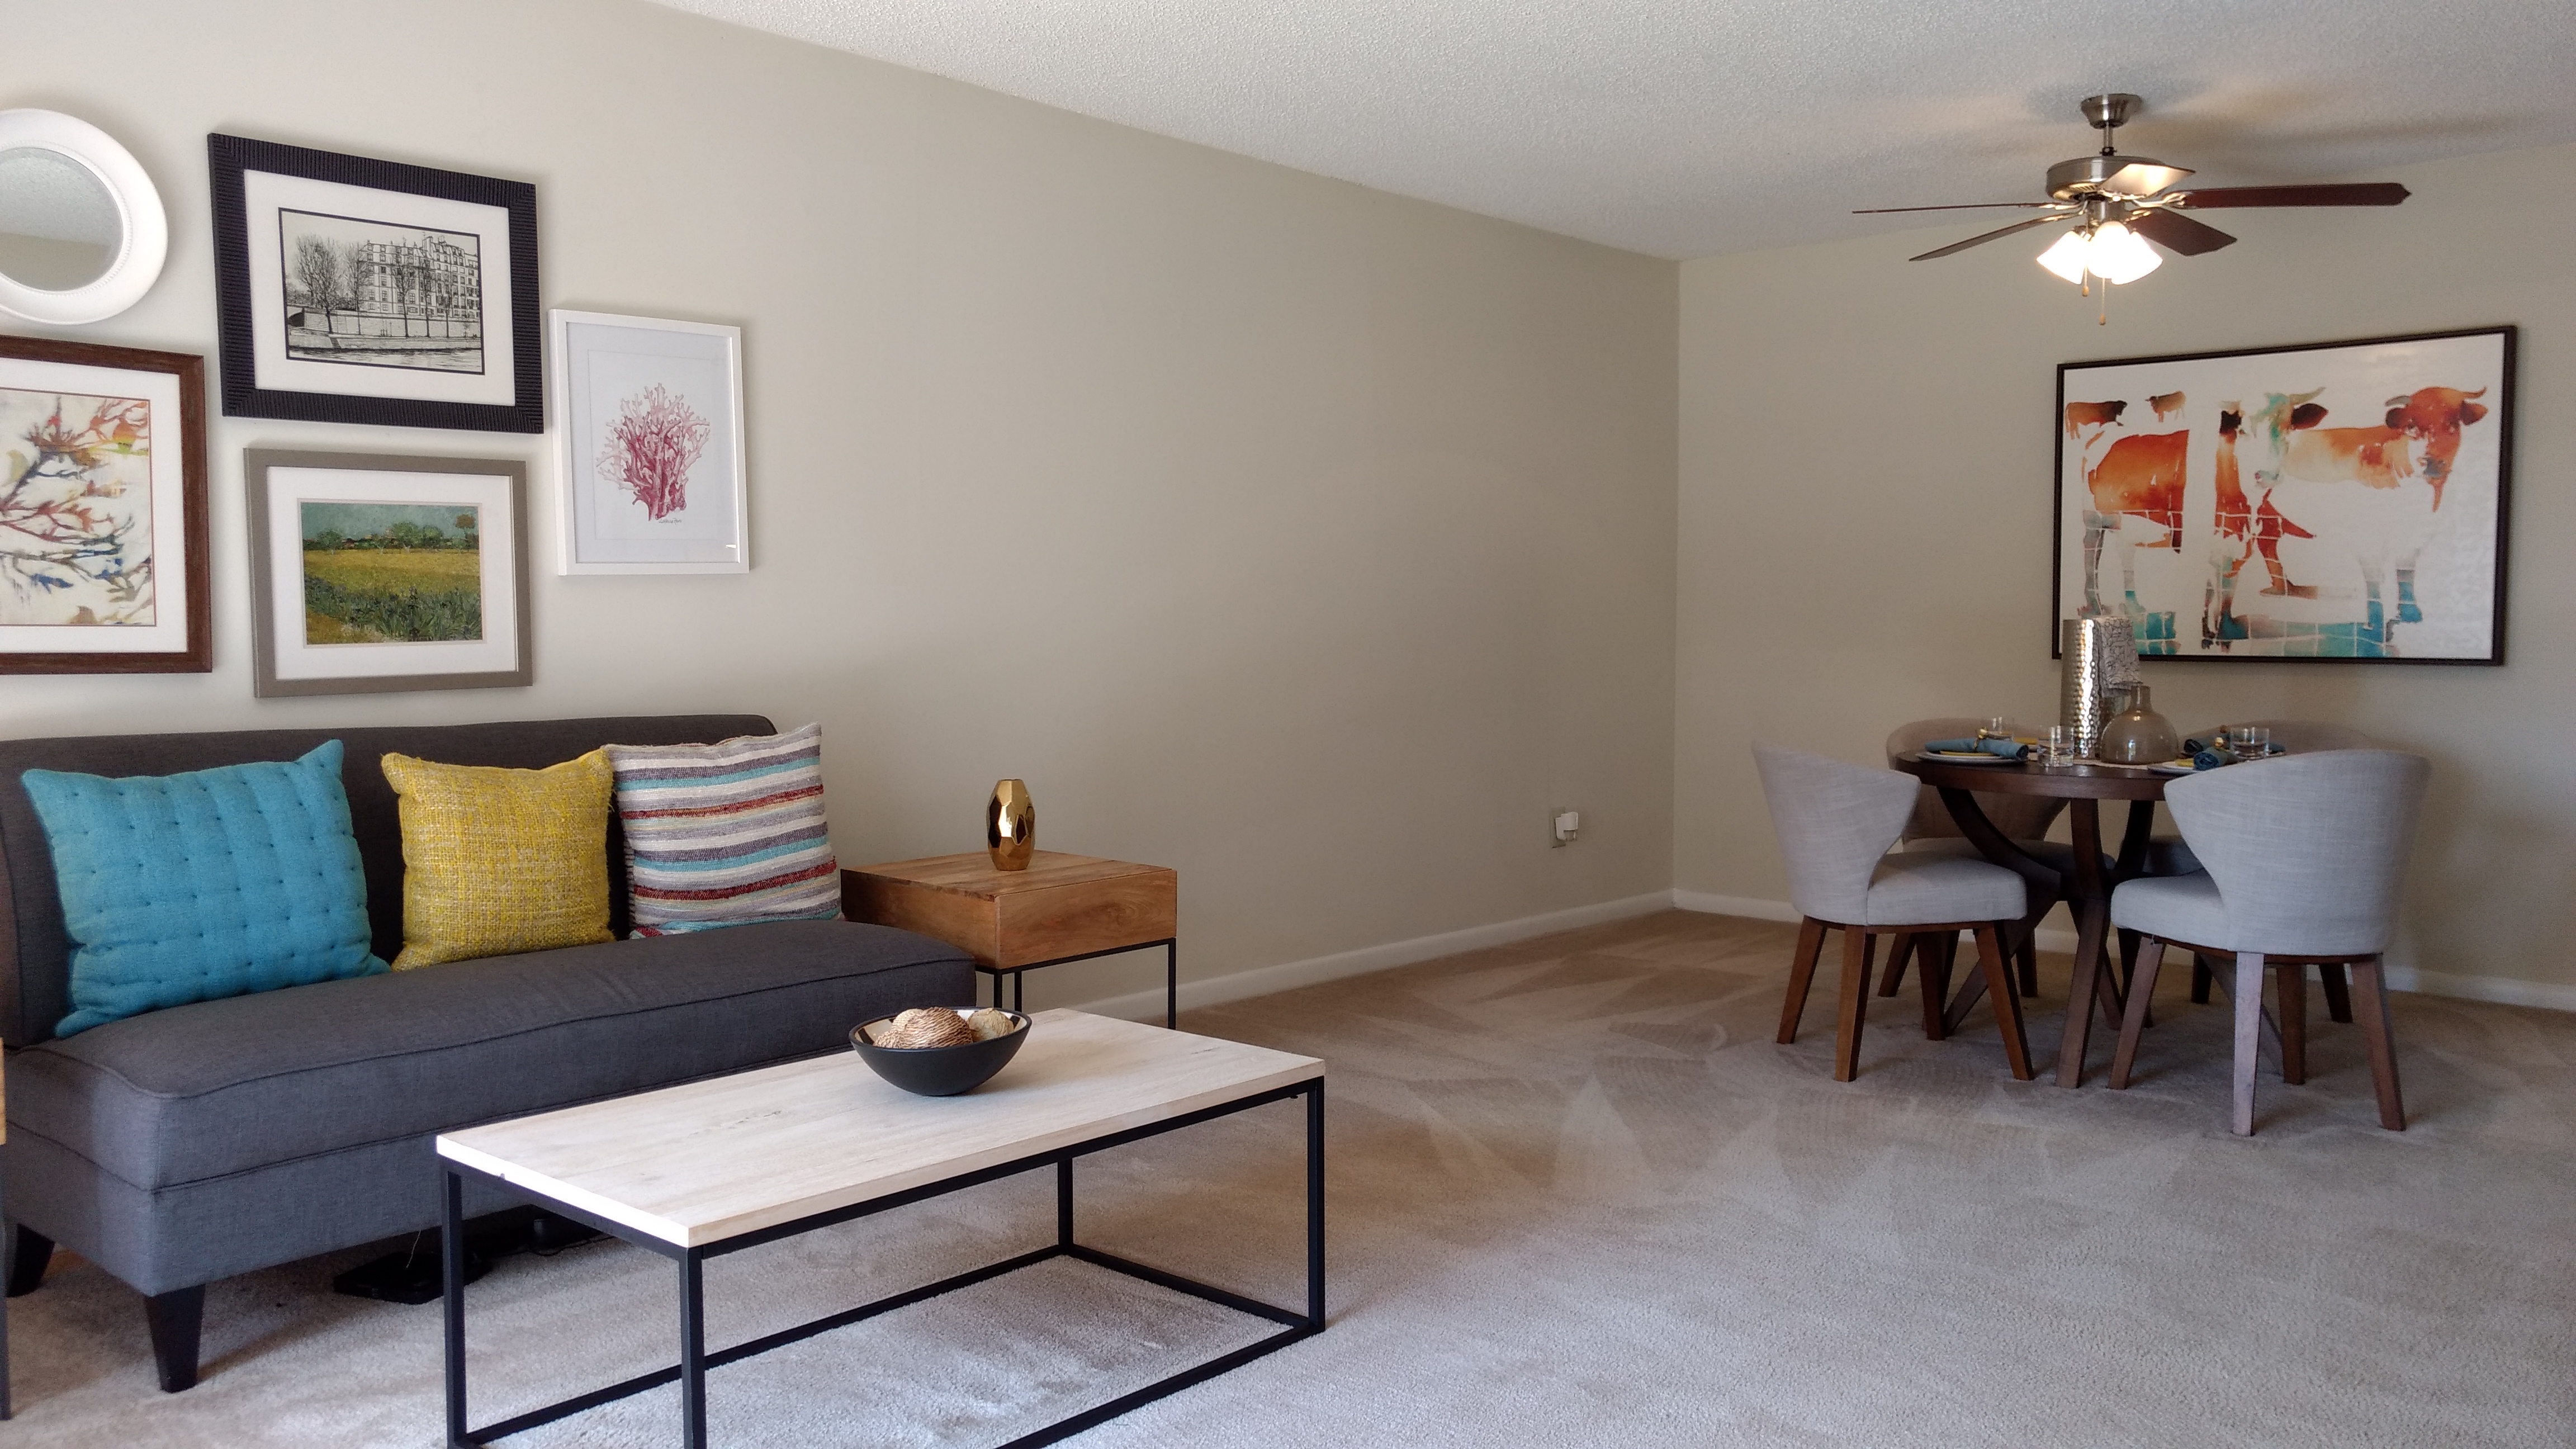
(497, 861)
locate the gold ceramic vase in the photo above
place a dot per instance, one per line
(1011, 826)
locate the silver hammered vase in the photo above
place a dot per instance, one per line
(2098, 662)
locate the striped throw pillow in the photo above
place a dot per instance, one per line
(726, 834)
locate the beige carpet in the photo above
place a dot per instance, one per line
(1579, 1197)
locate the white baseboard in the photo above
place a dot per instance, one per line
(2507, 990)
(1762, 910)
(1287, 975)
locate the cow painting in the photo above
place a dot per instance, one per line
(2243, 528)
(2101, 417)
(2412, 448)
(2140, 476)
(2335, 501)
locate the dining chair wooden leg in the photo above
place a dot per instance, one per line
(2141, 986)
(2026, 955)
(2249, 1036)
(1897, 955)
(2370, 993)
(1999, 986)
(1858, 947)
(1934, 953)
(2130, 944)
(2338, 994)
(2199, 979)
(2292, 1012)
(1802, 974)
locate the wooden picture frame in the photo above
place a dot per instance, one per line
(353, 290)
(2329, 501)
(649, 457)
(103, 530)
(373, 572)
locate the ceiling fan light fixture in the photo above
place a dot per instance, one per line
(2109, 251)
(2121, 255)
(2070, 257)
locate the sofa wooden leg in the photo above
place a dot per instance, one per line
(29, 1253)
(176, 1317)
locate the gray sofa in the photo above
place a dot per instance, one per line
(190, 1144)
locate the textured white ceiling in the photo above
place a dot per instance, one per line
(1685, 128)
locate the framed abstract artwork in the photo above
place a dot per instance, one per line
(351, 290)
(374, 573)
(2336, 500)
(649, 446)
(103, 552)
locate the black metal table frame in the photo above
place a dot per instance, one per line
(1171, 975)
(690, 1372)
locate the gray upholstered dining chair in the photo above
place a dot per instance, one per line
(2169, 855)
(2302, 858)
(1835, 822)
(2022, 819)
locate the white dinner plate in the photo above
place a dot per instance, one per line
(1978, 758)
(2175, 767)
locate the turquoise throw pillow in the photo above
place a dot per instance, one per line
(180, 888)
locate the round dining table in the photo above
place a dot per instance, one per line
(2083, 786)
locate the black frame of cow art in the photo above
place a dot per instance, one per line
(2329, 501)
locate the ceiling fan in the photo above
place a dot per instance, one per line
(2119, 203)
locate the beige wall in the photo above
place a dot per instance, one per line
(1308, 539)
(1864, 523)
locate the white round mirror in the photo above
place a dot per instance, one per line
(82, 233)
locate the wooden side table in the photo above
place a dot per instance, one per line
(1062, 908)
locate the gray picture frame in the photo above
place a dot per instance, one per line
(260, 470)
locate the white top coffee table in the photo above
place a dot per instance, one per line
(713, 1167)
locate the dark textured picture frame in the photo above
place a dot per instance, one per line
(228, 157)
(2260, 573)
(256, 465)
(195, 551)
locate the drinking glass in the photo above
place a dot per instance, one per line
(2250, 742)
(2060, 746)
(1996, 728)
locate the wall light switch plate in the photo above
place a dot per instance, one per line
(1566, 825)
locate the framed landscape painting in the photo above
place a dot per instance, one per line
(352, 290)
(649, 446)
(2338, 500)
(103, 553)
(377, 573)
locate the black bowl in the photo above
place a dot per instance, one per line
(940, 1071)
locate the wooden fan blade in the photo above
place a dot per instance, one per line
(2362, 193)
(2178, 234)
(2001, 231)
(1958, 206)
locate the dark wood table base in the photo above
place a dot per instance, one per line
(2086, 889)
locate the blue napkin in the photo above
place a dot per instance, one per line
(2009, 749)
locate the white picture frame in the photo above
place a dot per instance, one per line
(650, 472)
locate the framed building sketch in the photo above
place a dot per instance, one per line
(648, 446)
(2337, 500)
(375, 573)
(353, 290)
(103, 553)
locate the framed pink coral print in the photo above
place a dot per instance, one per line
(648, 446)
